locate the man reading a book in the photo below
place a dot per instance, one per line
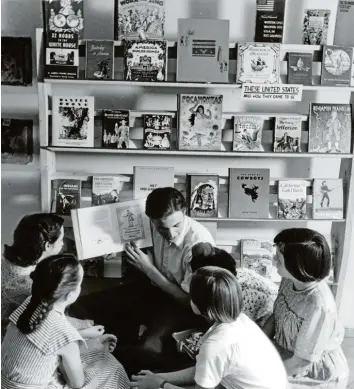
(165, 299)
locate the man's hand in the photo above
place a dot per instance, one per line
(146, 380)
(137, 258)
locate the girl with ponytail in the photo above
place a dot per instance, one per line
(41, 349)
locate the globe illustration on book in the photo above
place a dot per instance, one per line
(336, 62)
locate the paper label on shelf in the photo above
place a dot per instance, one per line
(272, 92)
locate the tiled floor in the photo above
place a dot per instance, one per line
(348, 347)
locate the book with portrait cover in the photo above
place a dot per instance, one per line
(157, 132)
(292, 199)
(199, 122)
(344, 32)
(203, 195)
(248, 193)
(300, 68)
(139, 19)
(116, 129)
(328, 198)
(99, 63)
(105, 229)
(203, 50)
(67, 195)
(73, 121)
(330, 128)
(287, 134)
(248, 133)
(315, 26)
(145, 60)
(337, 65)
(105, 189)
(258, 63)
(148, 178)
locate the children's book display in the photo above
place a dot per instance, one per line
(116, 129)
(67, 195)
(300, 68)
(99, 60)
(337, 65)
(315, 27)
(157, 132)
(344, 31)
(328, 199)
(287, 134)
(248, 133)
(270, 21)
(148, 178)
(292, 199)
(105, 189)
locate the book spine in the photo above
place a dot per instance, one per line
(76, 228)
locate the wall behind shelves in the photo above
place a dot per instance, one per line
(21, 191)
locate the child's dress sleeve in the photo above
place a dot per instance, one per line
(80, 324)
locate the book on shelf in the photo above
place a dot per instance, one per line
(247, 134)
(315, 26)
(99, 62)
(344, 31)
(270, 21)
(258, 63)
(199, 122)
(248, 193)
(148, 178)
(337, 65)
(287, 134)
(67, 195)
(116, 131)
(16, 61)
(16, 141)
(292, 199)
(105, 229)
(203, 195)
(106, 189)
(157, 132)
(330, 128)
(203, 50)
(73, 121)
(328, 198)
(300, 68)
(139, 19)
(145, 60)
(257, 255)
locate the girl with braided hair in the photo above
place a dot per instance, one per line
(42, 350)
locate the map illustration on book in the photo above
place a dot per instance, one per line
(73, 121)
(203, 195)
(258, 63)
(67, 195)
(145, 60)
(99, 59)
(287, 134)
(115, 129)
(292, 199)
(330, 128)
(336, 65)
(200, 122)
(139, 19)
(315, 26)
(248, 133)
(105, 189)
(300, 68)
(157, 132)
(328, 198)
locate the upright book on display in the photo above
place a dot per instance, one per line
(300, 68)
(203, 50)
(248, 193)
(106, 189)
(148, 178)
(287, 134)
(67, 195)
(315, 26)
(344, 32)
(292, 199)
(248, 133)
(337, 65)
(99, 60)
(328, 198)
(116, 130)
(157, 132)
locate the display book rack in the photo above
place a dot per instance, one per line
(61, 162)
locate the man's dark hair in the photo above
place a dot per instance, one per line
(307, 256)
(162, 202)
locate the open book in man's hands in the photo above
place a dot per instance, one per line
(106, 228)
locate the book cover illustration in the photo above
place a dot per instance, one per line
(200, 122)
(315, 26)
(203, 50)
(68, 193)
(16, 61)
(116, 129)
(248, 133)
(344, 31)
(73, 121)
(203, 195)
(258, 63)
(300, 68)
(257, 255)
(292, 199)
(330, 128)
(157, 132)
(336, 65)
(270, 21)
(99, 60)
(105, 189)
(16, 141)
(328, 199)
(248, 193)
(287, 134)
(145, 60)
(148, 178)
(130, 222)
(139, 19)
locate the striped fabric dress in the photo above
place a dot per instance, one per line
(31, 361)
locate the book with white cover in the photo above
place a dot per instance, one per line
(148, 178)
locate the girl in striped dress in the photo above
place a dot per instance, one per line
(42, 350)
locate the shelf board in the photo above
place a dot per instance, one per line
(193, 153)
(266, 220)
